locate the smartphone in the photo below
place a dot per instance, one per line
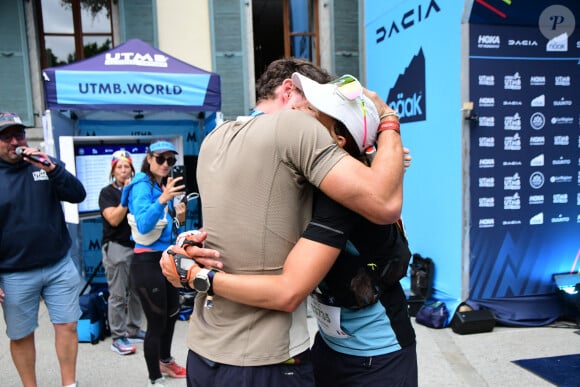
(179, 171)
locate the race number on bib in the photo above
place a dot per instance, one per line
(328, 318)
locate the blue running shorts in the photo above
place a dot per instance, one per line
(58, 284)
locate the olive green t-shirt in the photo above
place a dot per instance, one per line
(256, 180)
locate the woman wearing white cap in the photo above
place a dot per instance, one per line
(365, 335)
(150, 202)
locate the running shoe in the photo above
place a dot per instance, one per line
(138, 337)
(122, 346)
(172, 369)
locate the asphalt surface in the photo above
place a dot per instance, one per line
(445, 358)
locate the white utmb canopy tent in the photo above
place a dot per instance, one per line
(131, 90)
(123, 98)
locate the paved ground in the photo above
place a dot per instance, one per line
(445, 358)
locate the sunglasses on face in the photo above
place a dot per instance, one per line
(7, 137)
(161, 159)
(349, 88)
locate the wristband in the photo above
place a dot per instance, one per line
(388, 114)
(390, 125)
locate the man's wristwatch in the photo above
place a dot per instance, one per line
(203, 281)
(183, 264)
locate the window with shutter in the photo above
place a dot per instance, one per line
(346, 37)
(138, 20)
(71, 30)
(229, 32)
(15, 92)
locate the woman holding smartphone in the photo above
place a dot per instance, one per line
(150, 199)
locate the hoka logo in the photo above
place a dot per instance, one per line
(407, 96)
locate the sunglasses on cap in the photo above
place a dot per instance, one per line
(121, 155)
(7, 136)
(350, 89)
(161, 159)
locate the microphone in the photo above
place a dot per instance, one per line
(43, 161)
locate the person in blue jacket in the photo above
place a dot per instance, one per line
(34, 250)
(150, 197)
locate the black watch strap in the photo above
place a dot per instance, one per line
(185, 284)
(210, 277)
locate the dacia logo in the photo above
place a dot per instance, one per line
(529, 43)
(408, 20)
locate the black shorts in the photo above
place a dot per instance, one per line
(202, 372)
(335, 369)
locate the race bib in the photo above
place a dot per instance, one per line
(328, 318)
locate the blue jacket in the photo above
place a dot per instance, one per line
(141, 196)
(33, 232)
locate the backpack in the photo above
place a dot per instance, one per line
(433, 314)
(422, 271)
(356, 281)
(93, 326)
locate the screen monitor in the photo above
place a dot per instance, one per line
(89, 159)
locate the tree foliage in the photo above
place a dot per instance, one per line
(93, 6)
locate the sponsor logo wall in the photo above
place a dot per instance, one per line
(525, 159)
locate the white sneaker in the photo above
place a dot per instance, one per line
(157, 383)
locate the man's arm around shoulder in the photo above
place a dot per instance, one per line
(375, 192)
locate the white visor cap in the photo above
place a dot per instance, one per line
(327, 99)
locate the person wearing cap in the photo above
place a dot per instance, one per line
(124, 307)
(35, 260)
(365, 333)
(149, 197)
(256, 179)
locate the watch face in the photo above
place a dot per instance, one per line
(186, 263)
(201, 284)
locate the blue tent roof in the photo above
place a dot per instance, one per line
(133, 75)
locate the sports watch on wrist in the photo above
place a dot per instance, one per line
(203, 281)
(182, 264)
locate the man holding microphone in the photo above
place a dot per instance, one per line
(34, 251)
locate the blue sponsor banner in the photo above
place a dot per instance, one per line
(413, 58)
(124, 88)
(525, 158)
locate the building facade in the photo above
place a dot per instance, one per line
(234, 38)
